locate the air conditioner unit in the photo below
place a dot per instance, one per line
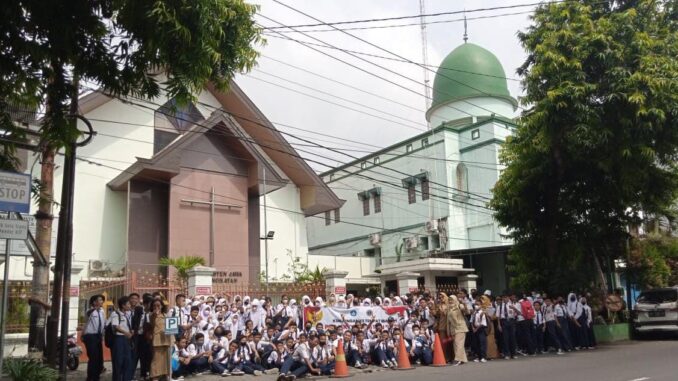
(412, 243)
(375, 239)
(96, 265)
(432, 226)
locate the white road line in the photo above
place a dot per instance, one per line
(640, 379)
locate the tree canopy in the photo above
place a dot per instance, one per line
(123, 47)
(597, 142)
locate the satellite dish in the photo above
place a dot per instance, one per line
(614, 303)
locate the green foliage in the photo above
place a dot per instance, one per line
(598, 140)
(399, 251)
(18, 312)
(124, 47)
(183, 264)
(22, 369)
(654, 261)
(298, 272)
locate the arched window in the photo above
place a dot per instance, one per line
(462, 179)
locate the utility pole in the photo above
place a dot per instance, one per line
(265, 232)
(64, 253)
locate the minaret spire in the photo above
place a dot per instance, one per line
(465, 28)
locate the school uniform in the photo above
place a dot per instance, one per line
(539, 328)
(507, 317)
(92, 338)
(296, 363)
(383, 352)
(179, 312)
(276, 359)
(422, 349)
(200, 363)
(243, 360)
(479, 323)
(220, 363)
(564, 322)
(122, 349)
(322, 359)
(551, 323)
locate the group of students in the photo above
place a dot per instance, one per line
(243, 335)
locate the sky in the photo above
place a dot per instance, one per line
(394, 113)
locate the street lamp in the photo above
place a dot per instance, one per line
(269, 236)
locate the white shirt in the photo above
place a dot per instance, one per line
(95, 322)
(120, 319)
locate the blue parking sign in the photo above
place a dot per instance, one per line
(171, 325)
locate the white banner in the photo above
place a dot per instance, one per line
(336, 316)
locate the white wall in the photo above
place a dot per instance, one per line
(481, 106)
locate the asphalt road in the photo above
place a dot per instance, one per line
(628, 361)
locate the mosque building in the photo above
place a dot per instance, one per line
(419, 207)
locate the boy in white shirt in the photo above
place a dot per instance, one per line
(479, 323)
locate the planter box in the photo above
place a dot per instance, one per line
(612, 332)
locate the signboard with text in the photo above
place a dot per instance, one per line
(203, 290)
(335, 316)
(13, 229)
(15, 192)
(340, 290)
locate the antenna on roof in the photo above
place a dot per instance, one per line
(465, 28)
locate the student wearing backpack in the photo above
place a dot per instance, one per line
(92, 337)
(121, 349)
(525, 326)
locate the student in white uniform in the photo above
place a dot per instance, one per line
(122, 350)
(92, 337)
(479, 323)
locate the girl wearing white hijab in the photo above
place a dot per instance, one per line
(367, 302)
(575, 310)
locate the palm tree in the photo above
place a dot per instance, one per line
(183, 264)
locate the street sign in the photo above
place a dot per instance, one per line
(172, 325)
(15, 192)
(13, 229)
(75, 292)
(340, 290)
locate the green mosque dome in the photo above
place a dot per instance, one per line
(469, 71)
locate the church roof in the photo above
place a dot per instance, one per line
(469, 71)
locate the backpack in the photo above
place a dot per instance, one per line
(527, 309)
(109, 333)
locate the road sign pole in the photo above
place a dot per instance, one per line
(5, 301)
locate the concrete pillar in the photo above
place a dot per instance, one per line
(73, 304)
(468, 281)
(200, 280)
(335, 282)
(407, 282)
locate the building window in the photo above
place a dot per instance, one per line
(408, 148)
(377, 203)
(376, 160)
(337, 216)
(424, 142)
(328, 218)
(363, 165)
(425, 195)
(475, 134)
(366, 206)
(411, 193)
(371, 253)
(462, 178)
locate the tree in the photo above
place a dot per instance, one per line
(123, 47)
(653, 261)
(183, 264)
(597, 142)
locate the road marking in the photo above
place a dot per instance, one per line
(640, 379)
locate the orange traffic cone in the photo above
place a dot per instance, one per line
(340, 366)
(438, 355)
(403, 357)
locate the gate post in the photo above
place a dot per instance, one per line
(407, 283)
(200, 280)
(468, 282)
(335, 282)
(74, 292)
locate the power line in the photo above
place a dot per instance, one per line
(396, 55)
(387, 58)
(408, 24)
(419, 15)
(312, 153)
